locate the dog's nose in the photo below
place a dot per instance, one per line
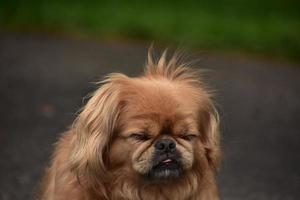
(165, 145)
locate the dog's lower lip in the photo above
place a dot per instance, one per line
(167, 164)
(167, 161)
(165, 170)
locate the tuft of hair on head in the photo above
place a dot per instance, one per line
(174, 67)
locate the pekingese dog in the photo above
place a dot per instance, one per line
(151, 137)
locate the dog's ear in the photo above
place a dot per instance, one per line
(94, 130)
(209, 128)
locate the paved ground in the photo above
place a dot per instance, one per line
(43, 80)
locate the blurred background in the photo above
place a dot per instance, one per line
(52, 51)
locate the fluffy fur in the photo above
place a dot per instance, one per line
(103, 157)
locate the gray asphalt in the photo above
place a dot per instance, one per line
(43, 81)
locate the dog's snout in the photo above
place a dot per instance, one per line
(165, 145)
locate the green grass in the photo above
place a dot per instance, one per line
(269, 27)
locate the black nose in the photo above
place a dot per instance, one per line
(165, 145)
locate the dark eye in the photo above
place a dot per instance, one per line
(189, 137)
(139, 137)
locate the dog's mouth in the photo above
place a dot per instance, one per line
(166, 164)
(165, 168)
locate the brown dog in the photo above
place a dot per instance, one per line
(149, 137)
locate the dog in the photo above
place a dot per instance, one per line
(151, 137)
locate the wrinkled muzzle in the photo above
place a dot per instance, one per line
(166, 161)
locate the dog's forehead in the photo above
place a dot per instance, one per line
(160, 105)
(160, 96)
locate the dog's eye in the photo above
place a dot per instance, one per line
(139, 137)
(189, 137)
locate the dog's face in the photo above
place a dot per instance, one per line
(159, 134)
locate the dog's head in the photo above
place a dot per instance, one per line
(160, 126)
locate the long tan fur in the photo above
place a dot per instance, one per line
(82, 167)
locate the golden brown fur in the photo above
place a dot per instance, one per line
(98, 158)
